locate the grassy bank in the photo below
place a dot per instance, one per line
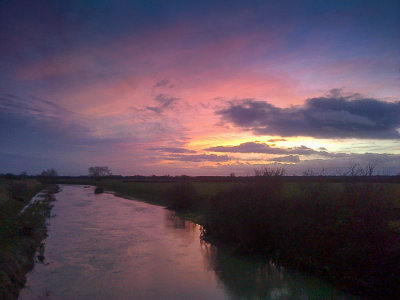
(21, 231)
(347, 233)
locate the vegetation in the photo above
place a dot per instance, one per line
(22, 228)
(49, 173)
(99, 190)
(343, 228)
(98, 172)
(183, 196)
(163, 192)
(341, 232)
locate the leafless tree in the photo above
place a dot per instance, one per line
(99, 171)
(369, 169)
(357, 169)
(270, 171)
(49, 173)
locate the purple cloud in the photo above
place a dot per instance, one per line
(332, 116)
(171, 150)
(199, 158)
(288, 158)
(165, 101)
(253, 147)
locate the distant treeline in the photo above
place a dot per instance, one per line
(166, 178)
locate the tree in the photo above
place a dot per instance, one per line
(269, 171)
(98, 172)
(49, 173)
(357, 169)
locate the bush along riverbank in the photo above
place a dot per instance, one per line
(22, 230)
(344, 233)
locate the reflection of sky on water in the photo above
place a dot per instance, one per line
(253, 278)
(105, 247)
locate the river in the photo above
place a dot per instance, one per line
(106, 247)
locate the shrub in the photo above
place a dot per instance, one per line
(182, 196)
(16, 190)
(339, 231)
(99, 190)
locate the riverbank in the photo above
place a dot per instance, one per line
(22, 229)
(346, 233)
(105, 247)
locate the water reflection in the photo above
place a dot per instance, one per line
(105, 247)
(177, 222)
(250, 278)
(246, 278)
(253, 278)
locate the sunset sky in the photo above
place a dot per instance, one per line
(199, 87)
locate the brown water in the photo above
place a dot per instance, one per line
(106, 247)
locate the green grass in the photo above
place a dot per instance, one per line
(152, 192)
(20, 233)
(156, 192)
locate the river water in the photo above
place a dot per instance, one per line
(106, 247)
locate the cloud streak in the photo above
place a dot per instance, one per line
(199, 158)
(33, 107)
(332, 116)
(253, 147)
(287, 159)
(165, 102)
(171, 150)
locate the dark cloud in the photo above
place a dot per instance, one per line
(165, 101)
(171, 150)
(250, 147)
(288, 158)
(161, 83)
(332, 116)
(276, 140)
(253, 147)
(155, 109)
(199, 158)
(304, 150)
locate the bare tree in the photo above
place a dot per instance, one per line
(357, 169)
(270, 171)
(369, 169)
(311, 172)
(49, 173)
(99, 171)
